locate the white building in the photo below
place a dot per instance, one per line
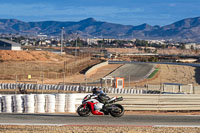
(9, 45)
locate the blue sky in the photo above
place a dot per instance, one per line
(129, 12)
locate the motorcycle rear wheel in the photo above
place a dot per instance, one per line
(83, 111)
(118, 111)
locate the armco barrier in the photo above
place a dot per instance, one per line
(162, 102)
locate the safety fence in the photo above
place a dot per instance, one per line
(72, 88)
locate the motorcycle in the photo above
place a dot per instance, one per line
(90, 104)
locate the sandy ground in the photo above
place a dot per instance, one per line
(159, 51)
(95, 129)
(176, 74)
(10, 55)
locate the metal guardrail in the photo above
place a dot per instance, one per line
(160, 102)
(168, 63)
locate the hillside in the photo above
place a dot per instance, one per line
(41, 63)
(183, 30)
(7, 55)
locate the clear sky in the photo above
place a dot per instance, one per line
(129, 12)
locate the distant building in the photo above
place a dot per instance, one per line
(9, 45)
(192, 46)
(95, 40)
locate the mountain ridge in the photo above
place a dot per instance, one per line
(187, 30)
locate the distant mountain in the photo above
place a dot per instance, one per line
(187, 30)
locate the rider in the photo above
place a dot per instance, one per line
(101, 97)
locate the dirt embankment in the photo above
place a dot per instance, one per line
(8, 55)
(159, 51)
(174, 74)
(44, 66)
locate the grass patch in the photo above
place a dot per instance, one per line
(153, 73)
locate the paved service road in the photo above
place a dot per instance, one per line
(73, 119)
(135, 71)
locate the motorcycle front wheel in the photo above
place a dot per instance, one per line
(117, 111)
(83, 111)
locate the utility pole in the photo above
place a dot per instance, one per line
(129, 80)
(61, 47)
(76, 44)
(102, 40)
(64, 73)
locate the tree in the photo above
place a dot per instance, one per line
(192, 47)
(182, 46)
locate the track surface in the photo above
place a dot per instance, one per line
(135, 71)
(73, 119)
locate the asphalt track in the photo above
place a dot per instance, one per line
(135, 71)
(126, 120)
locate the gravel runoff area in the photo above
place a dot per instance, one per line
(96, 129)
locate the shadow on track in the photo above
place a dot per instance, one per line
(57, 115)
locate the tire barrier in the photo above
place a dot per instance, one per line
(85, 89)
(70, 103)
(51, 102)
(29, 105)
(60, 103)
(7, 104)
(40, 103)
(17, 104)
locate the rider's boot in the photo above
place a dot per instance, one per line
(97, 112)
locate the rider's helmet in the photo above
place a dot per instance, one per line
(96, 91)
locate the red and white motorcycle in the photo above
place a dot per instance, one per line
(90, 104)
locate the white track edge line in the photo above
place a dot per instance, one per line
(32, 124)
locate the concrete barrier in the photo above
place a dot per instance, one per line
(94, 68)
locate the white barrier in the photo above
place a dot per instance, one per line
(29, 103)
(51, 102)
(7, 104)
(70, 103)
(40, 103)
(18, 103)
(60, 102)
